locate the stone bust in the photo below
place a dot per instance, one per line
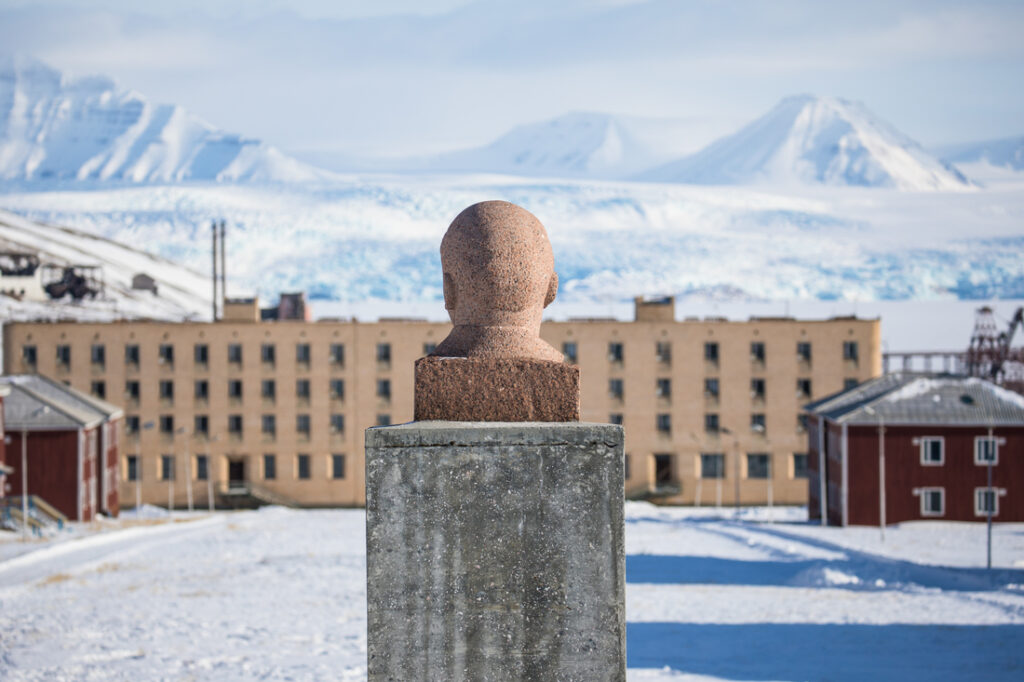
(499, 275)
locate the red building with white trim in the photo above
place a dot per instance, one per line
(906, 447)
(70, 442)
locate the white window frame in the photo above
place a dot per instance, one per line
(923, 492)
(978, 511)
(925, 441)
(978, 440)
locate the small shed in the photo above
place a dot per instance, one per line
(144, 282)
(71, 445)
(907, 446)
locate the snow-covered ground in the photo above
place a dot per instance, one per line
(280, 594)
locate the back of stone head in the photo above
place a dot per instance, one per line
(498, 266)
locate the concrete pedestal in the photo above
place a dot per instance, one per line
(495, 552)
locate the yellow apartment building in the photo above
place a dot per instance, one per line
(275, 411)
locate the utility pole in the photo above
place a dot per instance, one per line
(881, 470)
(990, 501)
(24, 484)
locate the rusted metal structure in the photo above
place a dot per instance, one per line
(78, 281)
(991, 354)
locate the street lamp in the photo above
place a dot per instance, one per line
(45, 409)
(881, 469)
(736, 468)
(188, 467)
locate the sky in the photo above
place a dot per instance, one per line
(323, 78)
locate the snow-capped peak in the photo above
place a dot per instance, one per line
(808, 139)
(53, 126)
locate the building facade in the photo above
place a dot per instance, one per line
(907, 447)
(711, 408)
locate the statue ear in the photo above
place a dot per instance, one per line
(552, 289)
(449, 292)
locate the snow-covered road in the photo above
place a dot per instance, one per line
(280, 594)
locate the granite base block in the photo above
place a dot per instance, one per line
(495, 552)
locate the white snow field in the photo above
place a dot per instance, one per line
(279, 594)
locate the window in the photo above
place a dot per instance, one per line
(663, 469)
(302, 424)
(235, 389)
(615, 388)
(711, 388)
(384, 352)
(800, 465)
(131, 390)
(167, 390)
(757, 389)
(801, 423)
(303, 467)
(986, 500)
(99, 389)
(757, 423)
(712, 465)
(757, 351)
(64, 357)
(337, 466)
(986, 450)
(429, 348)
(337, 389)
(663, 422)
(131, 355)
(337, 423)
(615, 352)
(302, 353)
(131, 424)
(337, 354)
(384, 389)
(711, 424)
(166, 424)
(803, 388)
(570, 351)
(202, 389)
(615, 418)
(711, 352)
(383, 420)
(803, 351)
(302, 389)
(663, 388)
(850, 350)
(133, 467)
(269, 467)
(235, 424)
(28, 355)
(167, 467)
(269, 424)
(267, 354)
(268, 389)
(235, 353)
(202, 467)
(849, 383)
(933, 451)
(663, 352)
(758, 465)
(933, 501)
(201, 354)
(165, 354)
(202, 425)
(98, 354)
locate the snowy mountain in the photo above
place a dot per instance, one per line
(593, 145)
(56, 127)
(1004, 153)
(180, 293)
(807, 139)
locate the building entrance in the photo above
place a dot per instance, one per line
(236, 473)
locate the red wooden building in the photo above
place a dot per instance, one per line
(71, 445)
(5, 469)
(904, 447)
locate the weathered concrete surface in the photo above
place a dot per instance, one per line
(495, 552)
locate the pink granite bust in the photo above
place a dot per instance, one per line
(499, 275)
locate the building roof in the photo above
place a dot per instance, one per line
(36, 402)
(941, 399)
